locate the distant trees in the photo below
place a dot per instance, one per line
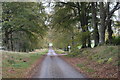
(23, 26)
(91, 18)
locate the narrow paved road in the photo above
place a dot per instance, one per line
(55, 67)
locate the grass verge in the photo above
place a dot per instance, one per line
(17, 65)
(99, 62)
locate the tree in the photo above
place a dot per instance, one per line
(105, 20)
(23, 26)
(95, 23)
(109, 21)
(77, 12)
(102, 27)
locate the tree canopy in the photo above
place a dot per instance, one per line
(27, 26)
(23, 25)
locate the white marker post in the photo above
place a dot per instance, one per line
(69, 49)
(50, 45)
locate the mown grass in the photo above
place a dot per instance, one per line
(15, 64)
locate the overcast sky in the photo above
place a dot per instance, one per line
(49, 9)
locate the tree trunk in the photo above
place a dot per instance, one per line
(83, 42)
(89, 41)
(87, 30)
(83, 23)
(94, 23)
(110, 32)
(7, 40)
(11, 40)
(102, 27)
(73, 40)
(108, 24)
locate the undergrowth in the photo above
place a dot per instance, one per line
(100, 54)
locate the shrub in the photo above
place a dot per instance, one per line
(109, 60)
(115, 40)
(74, 53)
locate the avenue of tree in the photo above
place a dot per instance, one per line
(70, 23)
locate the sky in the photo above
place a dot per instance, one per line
(49, 9)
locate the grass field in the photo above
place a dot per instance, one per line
(16, 64)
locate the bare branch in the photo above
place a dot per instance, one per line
(116, 7)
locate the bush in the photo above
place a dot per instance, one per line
(115, 41)
(74, 53)
(109, 60)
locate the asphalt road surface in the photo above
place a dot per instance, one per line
(55, 67)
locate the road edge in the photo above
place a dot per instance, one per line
(83, 74)
(35, 67)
